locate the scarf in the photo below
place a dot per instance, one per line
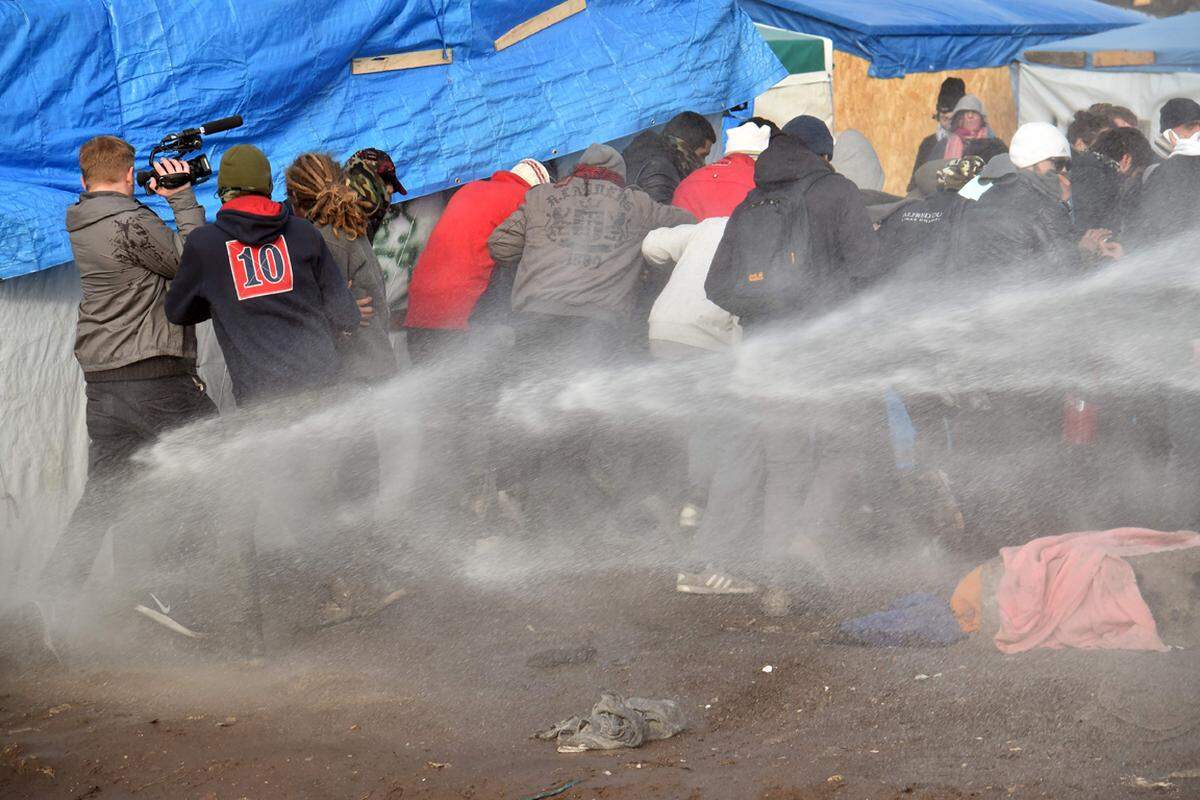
(956, 140)
(589, 172)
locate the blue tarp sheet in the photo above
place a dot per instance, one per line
(144, 68)
(902, 36)
(1175, 42)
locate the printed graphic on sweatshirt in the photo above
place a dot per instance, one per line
(260, 270)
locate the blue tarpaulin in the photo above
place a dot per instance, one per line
(902, 36)
(1174, 41)
(144, 68)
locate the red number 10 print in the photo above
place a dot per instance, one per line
(260, 270)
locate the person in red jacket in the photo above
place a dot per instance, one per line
(455, 267)
(715, 189)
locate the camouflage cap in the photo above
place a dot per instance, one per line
(362, 177)
(958, 173)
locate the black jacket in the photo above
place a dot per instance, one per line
(1018, 230)
(920, 233)
(276, 298)
(1168, 201)
(1095, 192)
(650, 166)
(844, 246)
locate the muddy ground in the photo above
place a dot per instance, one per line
(434, 699)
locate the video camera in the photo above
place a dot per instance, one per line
(180, 144)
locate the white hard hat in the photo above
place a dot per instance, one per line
(1037, 141)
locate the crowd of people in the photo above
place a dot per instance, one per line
(651, 254)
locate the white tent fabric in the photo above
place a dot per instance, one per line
(43, 441)
(1053, 94)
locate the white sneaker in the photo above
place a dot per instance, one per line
(689, 516)
(161, 613)
(712, 583)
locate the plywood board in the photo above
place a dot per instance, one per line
(895, 114)
(395, 61)
(1074, 59)
(540, 22)
(1123, 58)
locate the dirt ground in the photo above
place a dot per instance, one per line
(433, 698)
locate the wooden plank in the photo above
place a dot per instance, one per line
(1058, 58)
(539, 23)
(397, 61)
(1123, 58)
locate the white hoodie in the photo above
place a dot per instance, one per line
(683, 313)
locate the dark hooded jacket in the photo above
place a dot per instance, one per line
(920, 232)
(1095, 192)
(652, 164)
(1168, 201)
(274, 293)
(844, 248)
(1018, 230)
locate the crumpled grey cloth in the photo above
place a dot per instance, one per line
(615, 722)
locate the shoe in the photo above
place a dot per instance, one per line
(712, 583)
(690, 516)
(43, 618)
(161, 613)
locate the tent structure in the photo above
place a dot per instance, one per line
(454, 90)
(918, 43)
(1140, 67)
(906, 36)
(808, 88)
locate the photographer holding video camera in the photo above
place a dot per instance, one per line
(139, 369)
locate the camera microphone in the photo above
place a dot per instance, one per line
(222, 124)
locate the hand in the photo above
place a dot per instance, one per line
(366, 310)
(169, 166)
(1096, 242)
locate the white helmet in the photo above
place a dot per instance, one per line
(1037, 141)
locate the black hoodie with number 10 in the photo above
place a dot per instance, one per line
(276, 298)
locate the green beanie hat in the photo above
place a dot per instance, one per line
(246, 170)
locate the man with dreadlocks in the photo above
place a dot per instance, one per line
(318, 192)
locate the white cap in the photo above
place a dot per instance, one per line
(1037, 141)
(749, 138)
(531, 171)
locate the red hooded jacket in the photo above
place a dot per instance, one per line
(455, 267)
(715, 189)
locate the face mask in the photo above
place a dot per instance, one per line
(1184, 147)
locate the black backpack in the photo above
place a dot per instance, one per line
(763, 265)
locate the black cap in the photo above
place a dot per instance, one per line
(953, 90)
(1178, 111)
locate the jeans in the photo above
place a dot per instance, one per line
(122, 418)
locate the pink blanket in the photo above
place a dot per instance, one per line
(1077, 590)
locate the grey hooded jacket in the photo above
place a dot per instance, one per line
(579, 242)
(126, 258)
(367, 354)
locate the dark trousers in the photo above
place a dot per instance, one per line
(122, 418)
(428, 346)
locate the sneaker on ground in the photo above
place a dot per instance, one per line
(712, 583)
(162, 613)
(689, 516)
(43, 617)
